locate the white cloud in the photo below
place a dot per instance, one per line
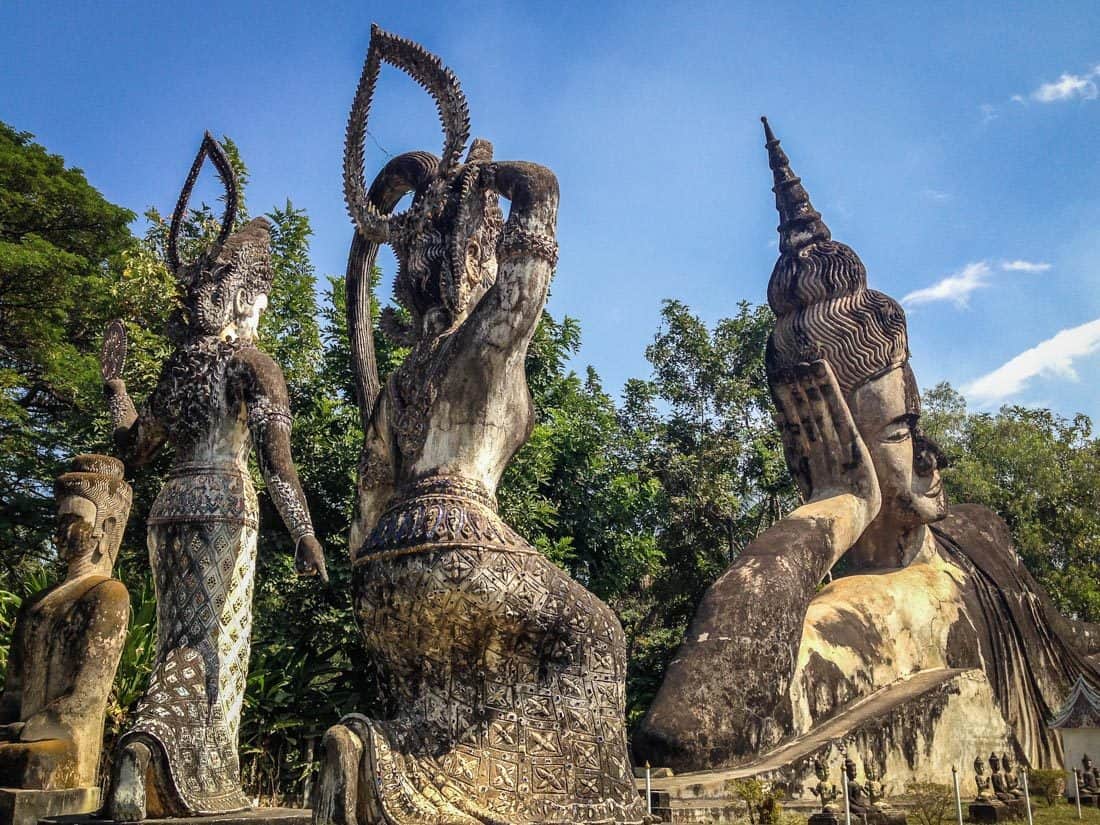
(935, 195)
(1053, 358)
(989, 112)
(1069, 87)
(1024, 266)
(955, 288)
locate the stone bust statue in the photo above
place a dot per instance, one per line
(507, 676)
(773, 650)
(1090, 776)
(1012, 780)
(68, 639)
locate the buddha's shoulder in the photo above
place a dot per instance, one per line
(975, 523)
(107, 594)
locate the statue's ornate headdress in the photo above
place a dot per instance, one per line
(818, 291)
(234, 262)
(449, 207)
(99, 479)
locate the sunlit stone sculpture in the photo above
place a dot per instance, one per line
(938, 628)
(506, 676)
(64, 651)
(217, 395)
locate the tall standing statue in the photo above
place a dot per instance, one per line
(506, 676)
(217, 395)
(64, 651)
(933, 592)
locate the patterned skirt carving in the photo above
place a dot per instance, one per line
(509, 675)
(204, 565)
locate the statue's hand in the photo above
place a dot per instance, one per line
(825, 450)
(309, 558)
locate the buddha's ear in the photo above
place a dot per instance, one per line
(103, 546)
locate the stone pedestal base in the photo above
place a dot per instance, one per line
(26, 807)
(825, 818)
(1088, 800)
(257, 816)
(990, 812)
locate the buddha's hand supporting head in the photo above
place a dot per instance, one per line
(823, 446)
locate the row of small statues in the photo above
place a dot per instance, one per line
(867, 796)
(1002, 784)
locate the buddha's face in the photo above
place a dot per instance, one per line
(821, 771)
(905, 462)
(76, 533)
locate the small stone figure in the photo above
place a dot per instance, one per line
(1000, 785)
(1090, 776)
(985, 786)
(1012, 780)
(876, 791)
(825, 791)
(217, 397)
(65, 648)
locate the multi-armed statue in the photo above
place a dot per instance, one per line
(507, 677)
(216, 389)
(935, 594)
(64, 652)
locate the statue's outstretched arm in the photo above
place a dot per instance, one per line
(527, 253)
(137, 436)
(260, 386)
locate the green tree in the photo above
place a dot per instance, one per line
(61, 250)
(1041, 473)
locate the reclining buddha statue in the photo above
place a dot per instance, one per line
(505, 675)
(935, 611)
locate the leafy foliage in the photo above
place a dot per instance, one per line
(930, 803)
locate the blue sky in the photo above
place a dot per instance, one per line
(954, 146)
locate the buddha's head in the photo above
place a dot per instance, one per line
(446, 241)
(849, 767)
(994, 763)
(225, 288)
(1007, 762)
(93, 503)
(870, 771)
(824, 310)
(821, 770)
(979, 766)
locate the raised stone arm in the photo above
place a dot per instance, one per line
(527, 253)
(137, 436)
(262, 389)
(741, 649)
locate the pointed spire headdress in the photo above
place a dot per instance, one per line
(818, 291)
(234, 261)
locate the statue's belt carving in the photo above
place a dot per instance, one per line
(206, 493)
(437, 512)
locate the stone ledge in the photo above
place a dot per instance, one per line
(21, 806)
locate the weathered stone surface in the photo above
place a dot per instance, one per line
(27, 807)
(218, 395)
(771, 655)
(255, 816)
(506, 676)
(65, 648)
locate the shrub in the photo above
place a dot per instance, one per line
(931, 801)
(761, 800)
(1049, 785)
